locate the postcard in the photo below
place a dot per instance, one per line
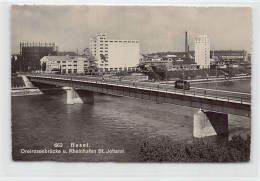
(130, 83)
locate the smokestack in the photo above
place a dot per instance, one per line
(188, 48)
(186, 42)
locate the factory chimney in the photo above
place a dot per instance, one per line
(186, 42)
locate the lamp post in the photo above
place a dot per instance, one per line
(183, 82)
(166, 74)
(213, 56)
(216, 64)
(216, 75)
(183, 77)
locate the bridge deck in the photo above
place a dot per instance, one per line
(215, 100)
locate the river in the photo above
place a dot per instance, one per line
(235, 85)
(120, 123)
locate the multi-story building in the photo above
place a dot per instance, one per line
(63, 64)
(114, 55)
(202, 51)
(33, 52)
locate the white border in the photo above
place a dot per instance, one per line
(11, 170)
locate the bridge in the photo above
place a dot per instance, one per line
(214, 105)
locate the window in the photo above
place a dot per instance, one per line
(58, 61)
(63, 61)
(63, 65)
(75, 71)
(69, 70)
(64, 71)
(101, 44)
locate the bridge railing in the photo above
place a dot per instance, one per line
(148, 86)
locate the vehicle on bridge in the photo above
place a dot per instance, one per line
(180, 83)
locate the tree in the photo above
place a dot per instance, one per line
(22, 63)
(14, 65)
(44, 66)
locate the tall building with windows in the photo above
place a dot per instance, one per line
(202, 51)
(114, 55)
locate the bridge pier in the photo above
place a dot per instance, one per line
(79, 96)
(208, 123)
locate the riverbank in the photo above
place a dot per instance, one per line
(21, 86)
(165, 150)
(23, 91)
(17, 82)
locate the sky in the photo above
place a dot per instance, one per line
(159, 29)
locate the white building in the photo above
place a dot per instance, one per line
(202, 51)
(114, 55)
(64, 64)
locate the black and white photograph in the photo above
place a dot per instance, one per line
(106, 83)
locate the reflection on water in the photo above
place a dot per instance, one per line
(111, 123)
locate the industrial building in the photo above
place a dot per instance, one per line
(201, 58)
(114, 55)
(229, 55)
(202, 51)
(172, 61)
(32, 53)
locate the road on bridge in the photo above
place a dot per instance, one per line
(201, 92)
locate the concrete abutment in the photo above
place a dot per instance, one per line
(208, 123)
(75, 96)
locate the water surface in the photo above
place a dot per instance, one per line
(111, 123)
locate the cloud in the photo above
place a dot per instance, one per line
(158, 28)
